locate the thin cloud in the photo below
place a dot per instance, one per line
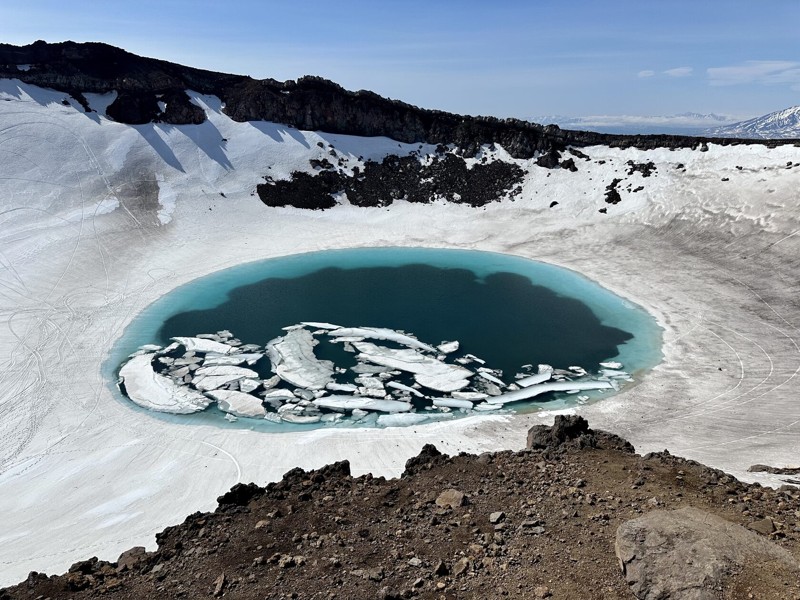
(763, 72)
(679, 72)
(645, 74)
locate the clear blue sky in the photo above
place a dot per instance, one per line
(512, 58)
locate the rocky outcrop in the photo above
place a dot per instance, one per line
(572, 431)
(688, 554)
(446, 176)
(310, 103)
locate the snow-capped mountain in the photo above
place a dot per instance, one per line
(779, 124)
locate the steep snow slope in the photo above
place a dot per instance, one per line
(98, 219)
(779, 124)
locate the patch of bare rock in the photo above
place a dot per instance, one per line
(576, 515)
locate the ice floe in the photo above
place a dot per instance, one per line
(238, 404)
(534, 379)
(542, 388)
(379, 333)
(428, 371)
(408, 419)
(452, 403)
(405, 388)
(293, 360)
(150, 390)
(356, 402)
(196, 344)
(448, 347)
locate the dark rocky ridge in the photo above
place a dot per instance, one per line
(310, 103)
(394, 178)
(539, 523)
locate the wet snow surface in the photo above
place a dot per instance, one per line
(399, 382)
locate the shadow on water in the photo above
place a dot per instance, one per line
(503, 318)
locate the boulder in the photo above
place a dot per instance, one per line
(689, 553)
(451, 499)
(130, 558)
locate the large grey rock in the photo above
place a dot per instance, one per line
(686, 554)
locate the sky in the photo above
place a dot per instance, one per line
(501, 58)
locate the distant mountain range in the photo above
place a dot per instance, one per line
(779, 124)
(689, 123)
(783, 124)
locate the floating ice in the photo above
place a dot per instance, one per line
(447, 347)
(492, 378)
(293, 360)
(534, 379)
(611, 365)
(222, 370)
(379, 333)
(404, 388)
(428, 371)
(469, 395)
(150, 390)
(407, 419)
(300, 419)
(231, 359)
(487, 407)
(318, 325)
(535, 390)
(452, 403)
(212, 378)
(249, 385)
(354, 402)
(238, 403)
(212, 368)
(342, 387)
(196, 344)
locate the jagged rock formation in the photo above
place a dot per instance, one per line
(540, 523)
(310, 103)
(395, 178)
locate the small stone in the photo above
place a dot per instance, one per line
(441, 569)
(461, 567)
(764, 526)
(219, 584)
(261, 524)
(539, 530)
(286, 561)
(496, 517)
(541, 591)
(415, 562)
(451, 499)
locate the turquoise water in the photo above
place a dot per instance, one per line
(507, 310)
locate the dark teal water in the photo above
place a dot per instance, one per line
(504, 309)
(503, 318)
